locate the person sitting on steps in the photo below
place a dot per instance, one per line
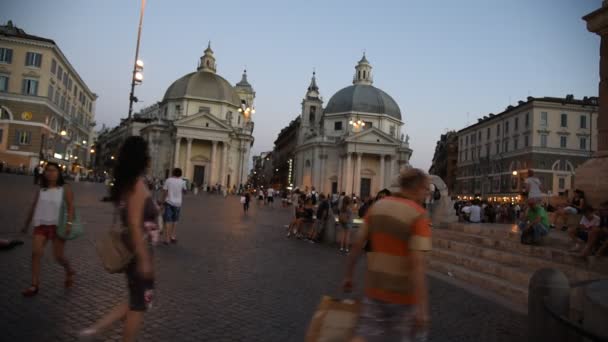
(588, 231)
(536, 225)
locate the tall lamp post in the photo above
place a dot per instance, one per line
(138, 65)
(357, 124)
(247, 112)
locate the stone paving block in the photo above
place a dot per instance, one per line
(230, 278)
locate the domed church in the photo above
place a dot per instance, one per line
(354, 144)
(204, 127)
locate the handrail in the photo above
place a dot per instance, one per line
(578, 328)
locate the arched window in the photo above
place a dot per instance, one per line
(363, 73)
(359, 74)
(54, 124)
(5, 114)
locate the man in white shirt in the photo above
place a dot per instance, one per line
(533, 187)
(475, 212)
(586, 232)
(173, 189)
(270, 197)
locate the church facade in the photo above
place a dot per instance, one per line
(203, 126)
(353, 144)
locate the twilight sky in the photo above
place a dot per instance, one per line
(446, 62)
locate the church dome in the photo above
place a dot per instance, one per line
(203, 85)
(363, 98)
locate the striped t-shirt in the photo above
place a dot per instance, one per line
(394, 226)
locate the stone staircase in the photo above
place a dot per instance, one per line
(491, 257)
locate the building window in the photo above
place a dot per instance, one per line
(479, 136)
(488, 133)
(515, 143)
(368, 124)
(563, 141)
(1, 131)
(487, 150)
(30, 87)
(583, 143)
(498, 130)
(338, 126)
(527, 120)
(479, 152)
(229, 117)
(53, 66)
(60, 73)
(526, 140)
(178, 109)
(65, 79)
(507, 127)
(238, 120)
(497, 148)
(392, 131)
(204, 110)
(70, 84)
(62, 103)
(33, 59)
(516, 124)
(75, 91)
(6, 55)
(583, 121)
(313, 114)
(561, 183)
(3, 84)
(544, 121)
(466, 139)
(4, 114)
(24, 137)
(543, 140)
(564, 120)
(506, 146)
(50, 92)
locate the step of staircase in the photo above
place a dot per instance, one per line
(517, 276)
(491, 257)
(546, 255)
(512, 293)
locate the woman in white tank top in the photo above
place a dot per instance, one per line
(44, 216)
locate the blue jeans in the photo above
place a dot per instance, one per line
(537, 231)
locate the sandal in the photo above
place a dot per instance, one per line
(69, 279)
(30, 291)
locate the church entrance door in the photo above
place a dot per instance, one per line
(366, 185)
(199, 175)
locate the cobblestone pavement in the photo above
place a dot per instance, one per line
(230, 278)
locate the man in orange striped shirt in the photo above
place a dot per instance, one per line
(395, 306)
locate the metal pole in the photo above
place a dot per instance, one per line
(141, 19)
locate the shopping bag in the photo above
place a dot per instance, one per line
(77, 228)
(334, 320)
(243, 200)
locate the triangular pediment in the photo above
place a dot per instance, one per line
(374, 136)
(202, 120)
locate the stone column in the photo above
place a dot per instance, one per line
(322, 163)
(349, 174)
(212, 177)
(382, 171)
(178, 142)
(357, 188)
(392, 171)
(224, 167)
(188, 157)
(340, 178)
(591, 175)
